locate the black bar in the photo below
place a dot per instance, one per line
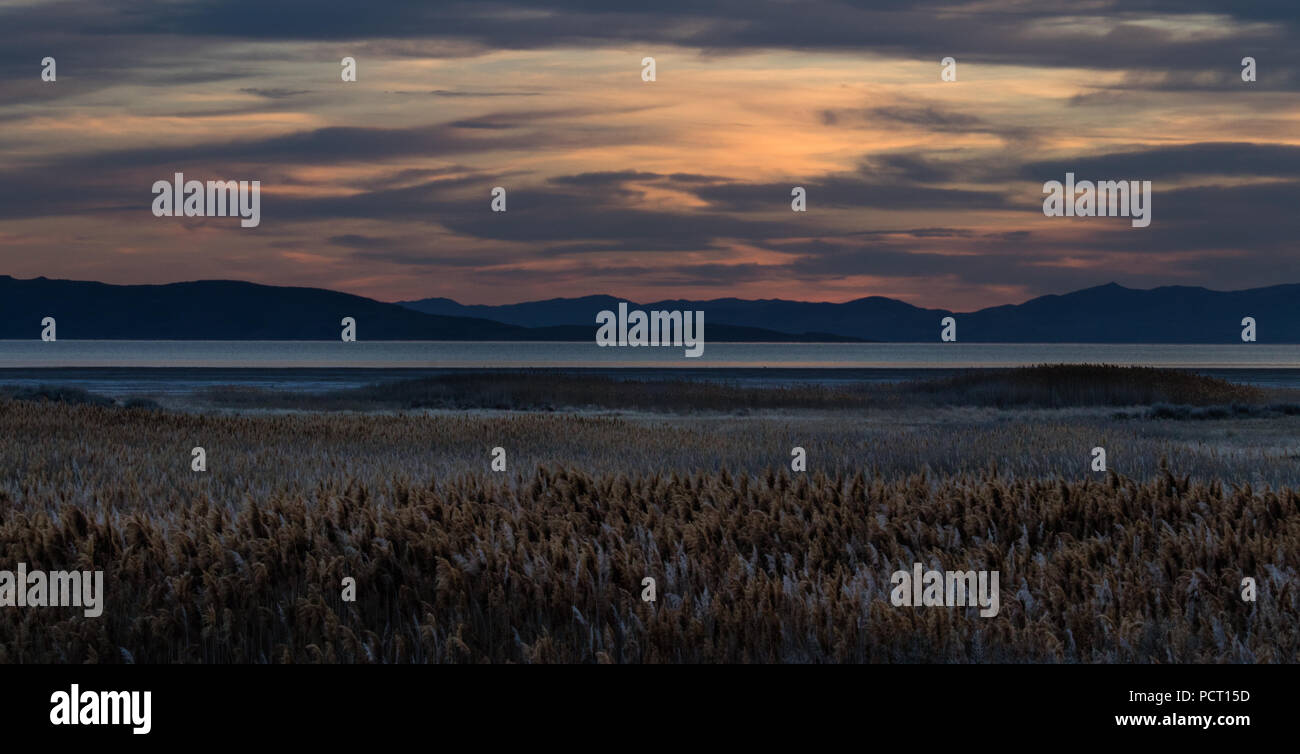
(448, 706)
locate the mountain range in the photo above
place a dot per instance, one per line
(1108, 313)
(234, 310)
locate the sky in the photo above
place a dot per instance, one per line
(920, 189)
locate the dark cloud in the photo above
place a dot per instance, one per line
(604, 178)
(916, 233)
(677, 276)
(408, 176)
(357, 241)
(1256, 223)
(1107, 34)
(923, 116)
(1204, 159)
(927, 168)
(459, 93)
(848, 191)
(694, 178)
(275, 93)
(265, 158)
(490, 124)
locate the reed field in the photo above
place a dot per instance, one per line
(544, 562)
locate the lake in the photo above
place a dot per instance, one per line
(458, 354)
(124, 368)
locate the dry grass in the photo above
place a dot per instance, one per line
(543, 564)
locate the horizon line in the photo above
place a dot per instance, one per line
(401, 302)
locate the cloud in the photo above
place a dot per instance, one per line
(920, 116)
(849, 191)
(460, 93)
(684, 183)
(275, 93)
(1184, 160)
(1191, 44)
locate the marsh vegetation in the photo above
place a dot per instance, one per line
(544, 562)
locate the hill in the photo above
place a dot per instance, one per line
(234, 310)
(1103, 314)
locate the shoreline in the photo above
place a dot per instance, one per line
(126, 382)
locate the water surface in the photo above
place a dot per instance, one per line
(462, 354)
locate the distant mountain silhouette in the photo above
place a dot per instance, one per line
(1104, 314)
(233, 310)
(549, 313)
